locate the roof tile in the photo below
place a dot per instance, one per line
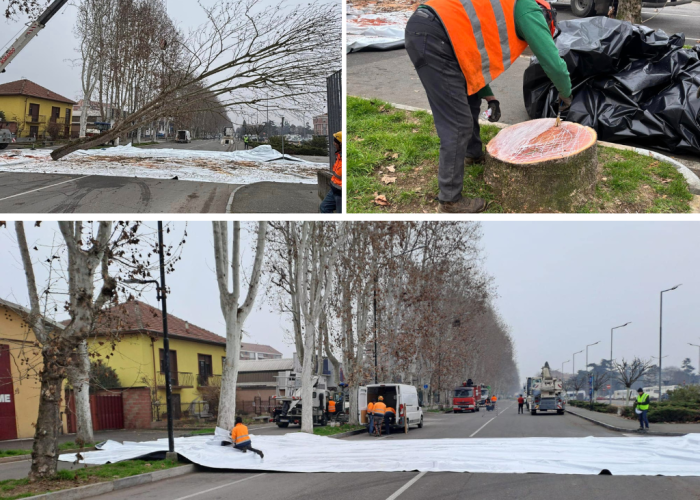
(29, 88)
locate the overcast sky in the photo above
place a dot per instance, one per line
(560, 286)
(46, 60)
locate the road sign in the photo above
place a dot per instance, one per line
(425, 386)
(608, 386)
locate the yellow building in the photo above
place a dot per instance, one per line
(130, 340)
(20, 364)
(34, 111)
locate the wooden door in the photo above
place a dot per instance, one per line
(205, 369)
(55, 114)
(34, 112)
(173, 366)
(8, 423)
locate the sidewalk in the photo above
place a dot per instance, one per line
(633, 425)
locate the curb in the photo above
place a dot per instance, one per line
(348, 434)
(92, 490)
(622, 429)
(691, 179)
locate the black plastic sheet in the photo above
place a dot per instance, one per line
(631, 83)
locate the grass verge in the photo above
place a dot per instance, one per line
(393, 161)
(11, 489)
(331, 431)
(210, 430)
(70, 445)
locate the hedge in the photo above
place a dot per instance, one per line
(666, 413)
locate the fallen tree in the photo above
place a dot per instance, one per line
(246, 55)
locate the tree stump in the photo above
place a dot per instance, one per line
(535, 166)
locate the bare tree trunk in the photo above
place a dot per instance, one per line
(630, 10)
(234, 316)
(79, 376)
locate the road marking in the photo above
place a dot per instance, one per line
(407, 486)
(487, 423)
(505, 409)
(219, 487)
(45, 187)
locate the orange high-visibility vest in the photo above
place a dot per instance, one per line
(493, 399)
(337, 178)
(239, 434)
(331, 406)
(370, 407)
(379, 408)
(483, 37)
(390, 410)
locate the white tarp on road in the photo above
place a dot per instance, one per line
(235, 167)
(299, 452)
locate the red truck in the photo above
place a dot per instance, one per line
(466, 397)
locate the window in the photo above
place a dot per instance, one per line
(173, 365)
(55, 113)
(68, 115)
(205, 369)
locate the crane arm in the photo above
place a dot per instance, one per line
(32, 31)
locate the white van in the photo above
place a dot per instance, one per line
(403, 398)
(183, 136)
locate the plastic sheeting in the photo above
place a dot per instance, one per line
(300, 452)
(370, 28)
(631, 83)
(235, 167)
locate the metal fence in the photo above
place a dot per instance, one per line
(334, 90)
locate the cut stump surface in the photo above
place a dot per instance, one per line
(535, 166)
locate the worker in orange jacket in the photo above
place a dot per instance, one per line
(389, 418)
(370, 417)
(240, 438)
(379, 411)
(334, 198)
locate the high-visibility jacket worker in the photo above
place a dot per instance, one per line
(333, 202)
(642, 404)
(337, 179)
(458, 47)
(370, 417)
(331, 406)
(240, 438)
(370, 408)
(379, 408)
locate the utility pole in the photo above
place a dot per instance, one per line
(573, 364)
(611, 354)
(588, 376)
(661, 321)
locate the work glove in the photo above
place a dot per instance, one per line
(564, 103)
(495, 108)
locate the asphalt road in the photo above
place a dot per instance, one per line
(57, 193)
(390, 75)
(210, 485)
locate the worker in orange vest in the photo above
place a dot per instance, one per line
(493, 400)
(370, 417)
(334, 198)
(379, 411)
(458, 47)
(389, 418)
(240, 438)
(331, 408)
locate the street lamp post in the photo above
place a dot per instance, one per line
(611, 351)
(573, 364)
(161, 296)
(590, 392)
(562, 368)
(661, 318)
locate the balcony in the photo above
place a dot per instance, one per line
(178, 379)
(209, 380)
(35, 119)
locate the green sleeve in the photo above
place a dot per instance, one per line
(485, 92)
(531, 27)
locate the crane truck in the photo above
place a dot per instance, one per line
(546, 393)
(288, 410)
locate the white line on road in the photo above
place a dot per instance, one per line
(45, 187)
(219, 487)
(406, 486)
(505, 408)
(487, 423)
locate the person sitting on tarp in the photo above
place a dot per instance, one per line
(334, 199)
(458, 47)
(389, 418)
(240, 438)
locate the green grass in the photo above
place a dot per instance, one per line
(209, 430)
(385, 141)
(11, 489)
(330, 431)
(70, 445)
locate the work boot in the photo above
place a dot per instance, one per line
(463, 206)
(260, 453)
(468, 162)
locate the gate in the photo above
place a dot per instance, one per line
(109, 410)
(334, 91)
(8, 423)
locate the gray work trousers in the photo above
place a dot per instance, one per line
(456, 113)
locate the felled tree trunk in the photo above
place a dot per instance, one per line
(537, 167)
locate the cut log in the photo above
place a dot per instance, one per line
(535, 166)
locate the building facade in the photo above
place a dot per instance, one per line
(33, 111)
(321, 124)
(20, 364)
